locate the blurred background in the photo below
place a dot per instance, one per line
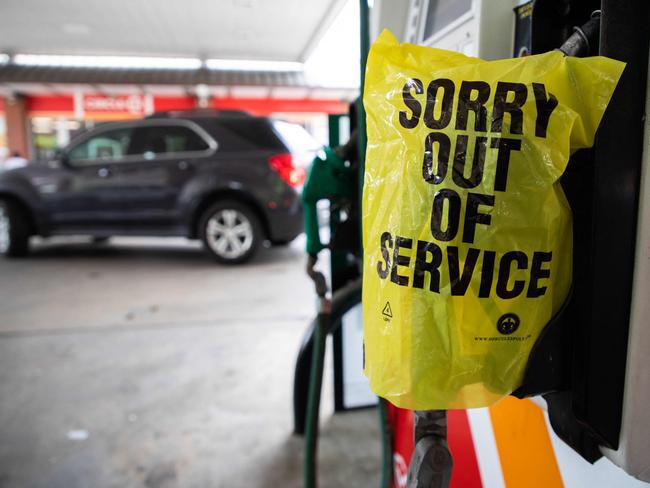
(71, 66)
(141, 361)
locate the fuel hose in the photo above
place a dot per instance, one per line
(326, 322)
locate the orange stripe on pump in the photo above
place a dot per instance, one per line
(524, 445)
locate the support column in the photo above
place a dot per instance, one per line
(17, 125)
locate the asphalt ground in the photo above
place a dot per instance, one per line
(141, 363)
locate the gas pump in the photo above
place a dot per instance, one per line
(589, 367)
(589, 364)
(593, 396)
(333, 176)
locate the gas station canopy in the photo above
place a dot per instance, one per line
(164, 44)
(278, 30)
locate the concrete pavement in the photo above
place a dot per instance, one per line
(142, 364)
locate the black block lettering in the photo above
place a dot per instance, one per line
(503, 159)
(473, 216)
(459, 283)
(444, 145)
(545, 107)
(487, 274)
(446, 103)
(460, 160)
(537, 273)
(477, 105)
(453, 214)
(507, 259)
(502, 106)
(399, 260)
(412, 103)
(423, 265)
(385, 238)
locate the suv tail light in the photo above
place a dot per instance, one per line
(284, 166)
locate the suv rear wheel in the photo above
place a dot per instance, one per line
(14, 230)
(230, 231)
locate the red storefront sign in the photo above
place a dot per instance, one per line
(114, 104)
(162, 104)
(50, 105)
(268, 106)
(116, 107)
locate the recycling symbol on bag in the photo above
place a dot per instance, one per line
(508, 323)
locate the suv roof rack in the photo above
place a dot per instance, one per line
(200, 112)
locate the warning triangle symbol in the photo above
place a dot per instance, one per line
(387, 310)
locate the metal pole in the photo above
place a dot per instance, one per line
(364, 46)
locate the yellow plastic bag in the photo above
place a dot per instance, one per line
(466, 230)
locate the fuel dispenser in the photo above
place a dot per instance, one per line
(589, 365)
(582, 366)
(590, 379)
(333, 176)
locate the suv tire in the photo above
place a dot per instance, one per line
(14, 230)
(231, 231)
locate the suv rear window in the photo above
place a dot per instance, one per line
(296, 138)
(241, 134)
(166, 139)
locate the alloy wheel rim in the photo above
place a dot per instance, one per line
(229, 233)
(4, 230)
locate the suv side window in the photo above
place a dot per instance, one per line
(107, 146)
(152, 141)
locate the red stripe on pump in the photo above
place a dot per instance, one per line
(466, 472)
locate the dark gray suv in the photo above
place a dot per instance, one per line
(227, 178)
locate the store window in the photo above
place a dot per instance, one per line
(52, 133)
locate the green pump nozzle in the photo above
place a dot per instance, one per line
(330, 177)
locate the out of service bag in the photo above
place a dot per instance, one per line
(466, 230)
